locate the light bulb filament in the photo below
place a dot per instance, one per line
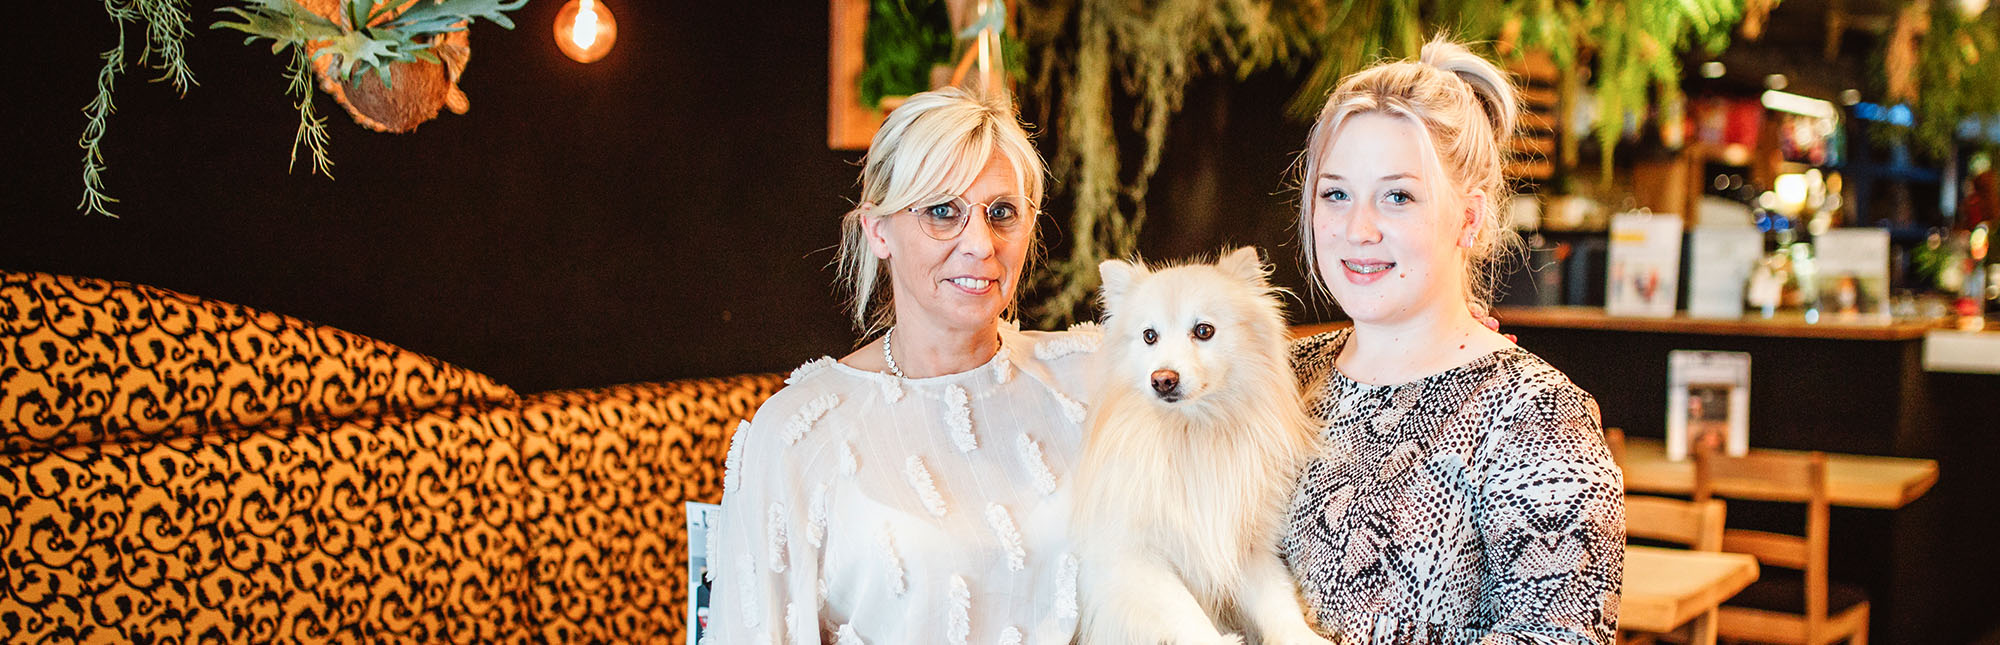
(585, 29)
(584, 32)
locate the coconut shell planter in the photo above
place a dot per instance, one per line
(414, 94)
(392, 64)
(416, 89)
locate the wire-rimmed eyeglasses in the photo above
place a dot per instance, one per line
(944, 216)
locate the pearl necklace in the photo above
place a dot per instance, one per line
(890, 358)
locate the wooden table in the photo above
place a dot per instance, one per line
(1667, 588)
(1859, 481)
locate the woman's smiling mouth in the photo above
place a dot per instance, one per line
(1366, 267)
(971, 285)
(1365, 272)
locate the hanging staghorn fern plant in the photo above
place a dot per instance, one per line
(388, 40)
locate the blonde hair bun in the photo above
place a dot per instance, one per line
(1490, 84)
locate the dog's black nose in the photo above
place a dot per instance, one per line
(1166, 381)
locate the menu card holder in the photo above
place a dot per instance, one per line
(1853, 266)
(1644, 266)
(1719, 264)
(1708, 399)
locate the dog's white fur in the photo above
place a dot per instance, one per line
(1180, 503)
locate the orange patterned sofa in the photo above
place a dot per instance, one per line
(178, 469)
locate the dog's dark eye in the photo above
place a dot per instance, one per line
(1150, 336)
(1204, 331)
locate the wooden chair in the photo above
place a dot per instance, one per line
(1694, 524)
(1783, 607)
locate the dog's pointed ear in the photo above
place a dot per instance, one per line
(1246, 265)
(1118, 277)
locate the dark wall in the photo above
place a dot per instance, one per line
(665, 212)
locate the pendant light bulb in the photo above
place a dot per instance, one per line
(585, 30)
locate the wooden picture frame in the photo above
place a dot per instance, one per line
(849, 124)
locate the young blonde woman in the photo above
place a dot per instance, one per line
(1465, 493)
(910, 492)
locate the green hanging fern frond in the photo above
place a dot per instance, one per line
(99, 109)
(357, 47)
(370, 39)
(166, 29)
(1153, 51)
(312, 128)
(1958, 76)
(284, 22)
(446, 15)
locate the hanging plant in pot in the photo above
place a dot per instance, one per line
(391, 63)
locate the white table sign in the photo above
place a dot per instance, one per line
(1719, 264)
(1708, 393)
(1853, 267)
(1643, 264)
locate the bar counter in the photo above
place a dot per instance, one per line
(1835, 386)
(1785, 324)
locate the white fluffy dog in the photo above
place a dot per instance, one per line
(1190, 459)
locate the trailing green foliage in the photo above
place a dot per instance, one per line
(1958, 72)
(166, 28)
(367, 36)
(1152, 50)
(1625, 51)
(312, 128)
(380, 41)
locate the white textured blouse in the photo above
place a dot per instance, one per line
(859, 507)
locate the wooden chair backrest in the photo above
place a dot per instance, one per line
(1614, 439)
(1778, 477)
(1697, 525)
(1774, 477)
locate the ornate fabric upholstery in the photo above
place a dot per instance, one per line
(609, 473)
(365, 532)
(180, 469)
(95, 360)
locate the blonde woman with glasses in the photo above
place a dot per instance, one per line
(912, 491)
(1465, 493)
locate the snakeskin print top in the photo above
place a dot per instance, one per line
(1475, 505)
